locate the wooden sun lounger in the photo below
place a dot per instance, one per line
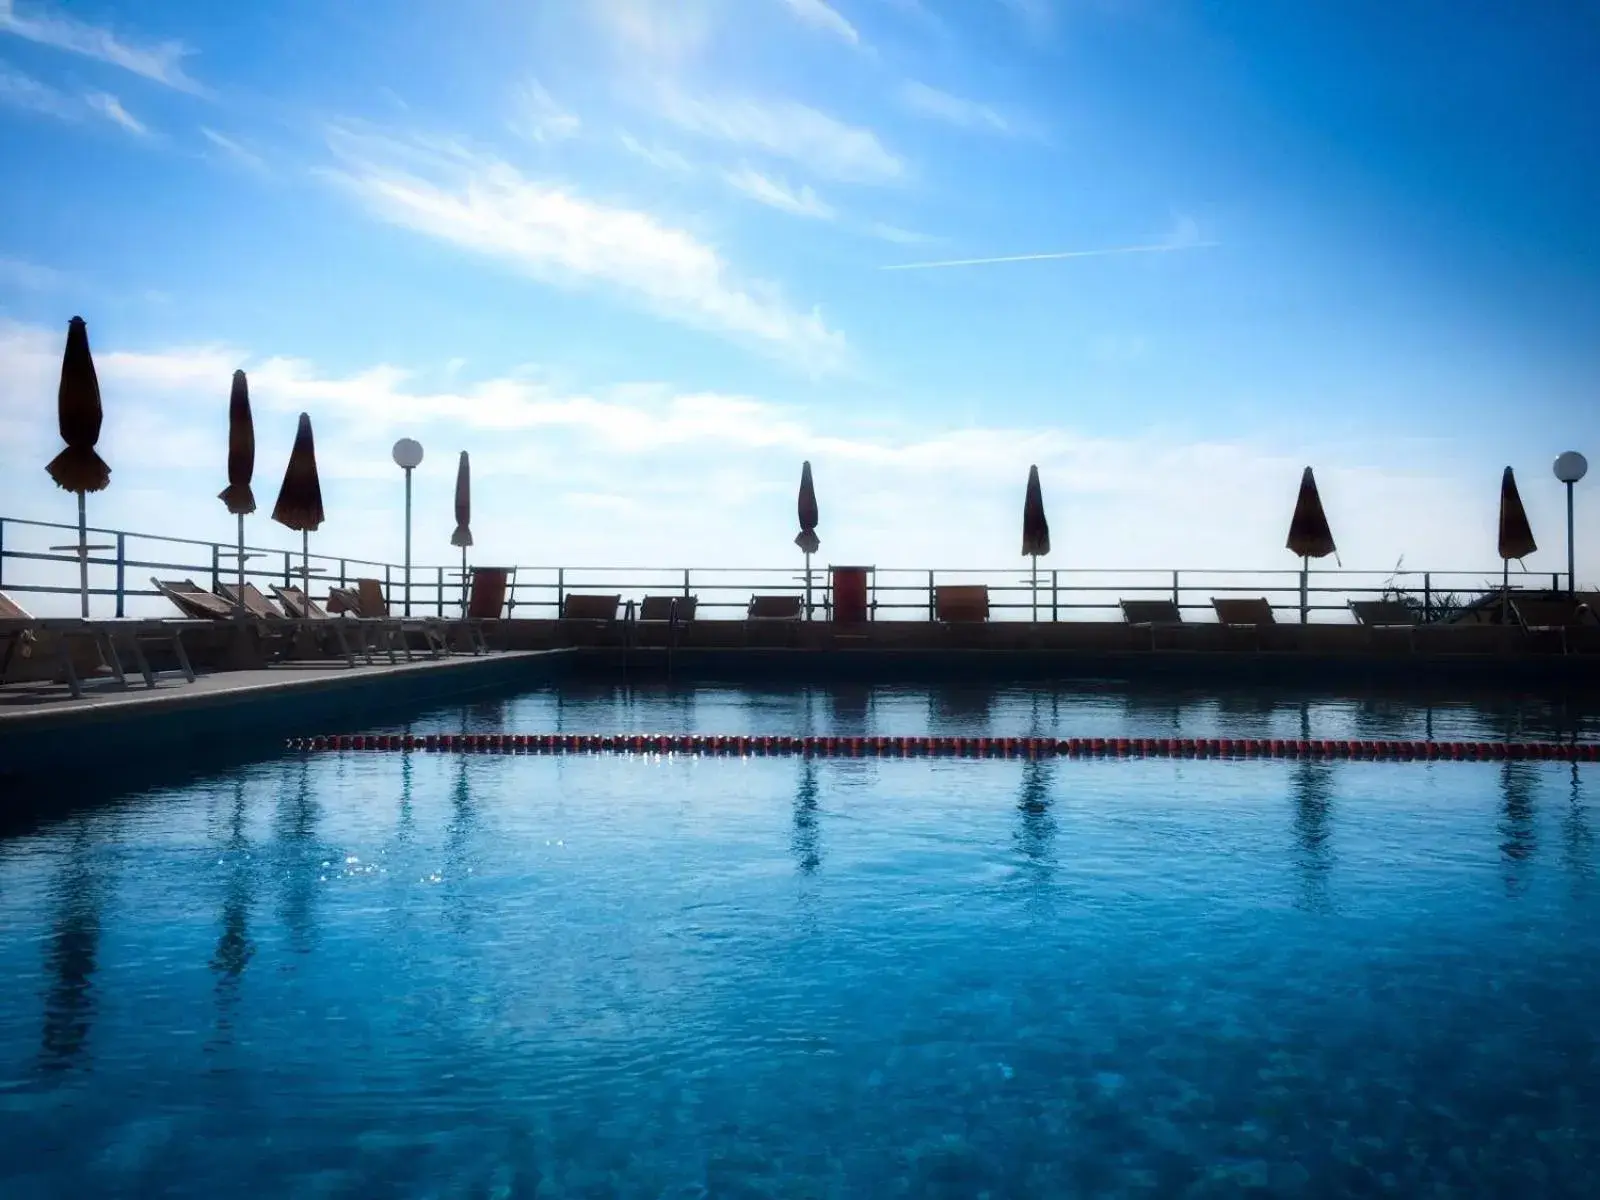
(579, 607)
(21, 631)
(667, 609)
(374, 611)
(1555, 616)
(488, 592)
(1151, 612)
(314, 621)
(775, 608)
(961, 603)
(1240, 611)
(1383, 614)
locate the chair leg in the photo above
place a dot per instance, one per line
(113, 659)
(70, 672)
(140, 660)
(184, 664)
(344, 646)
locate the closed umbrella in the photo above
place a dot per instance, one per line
(1516, 535)
(1035, 530)
(241, 465)
(299, 503)
(463, 534)
(1309, 535)
(807, 538)
(79, 468)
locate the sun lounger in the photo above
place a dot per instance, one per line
(21, 631)
(486, 602)
(373, 610)
(1240, 611)
(1151, 612)
(193, 601)
(255, 604)
(1383, 614)
(1564, 616)
(961, 603)
(598, 609)
(667, 609)
(297, 604)
(344, 601)
(315, 622)
(775, 608)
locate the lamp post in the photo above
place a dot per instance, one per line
(407, 455)
(1569, 468)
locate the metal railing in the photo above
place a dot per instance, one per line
(120, 579)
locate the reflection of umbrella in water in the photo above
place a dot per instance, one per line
(1035, 531)
(458, 836)
(1518, 840)
(1578, 855)
(1311, 785)
(1515, 535)
(1035, 835)
(299, 504)
(234, 946)
(238, 496)
(296, 822)
(79, 468)
(1309, 535)
(71, 957)
(806, 842)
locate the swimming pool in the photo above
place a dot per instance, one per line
(642, 976)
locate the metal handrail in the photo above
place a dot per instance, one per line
(540, 591)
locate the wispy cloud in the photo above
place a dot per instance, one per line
(1184, 236)
(1039, 16)
(930, 102)
(660, 157)
(558, 237)
(35, 278)
(785, 129)
(820, 15)
(236, 152)
(662, 34)
(539, 118)
(799, 202)
(109, 107)
(161, 62)
(903, 237)
(18, 90)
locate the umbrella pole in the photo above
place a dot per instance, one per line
(808, 585)
(1305, 590)
(238, 603)
(1035, 559)
(305, 560)
(1505, 591)
(83, 554)
(463, 583)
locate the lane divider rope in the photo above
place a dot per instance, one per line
(946, 747)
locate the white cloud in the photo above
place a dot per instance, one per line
(109, 107)
(646, 474)
(161, 62)
(234, 150)
(539, 118)
(25, 92)
(660, 157)
(802, 202)
(819, 15)
(785, 129)
(661, 32)
(927, 101)
(899, 236)
(559, 237)
(20, 273)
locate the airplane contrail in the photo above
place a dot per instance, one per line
(1159, 248)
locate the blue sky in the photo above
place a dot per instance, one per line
(631, 255)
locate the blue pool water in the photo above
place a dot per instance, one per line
(591, 976)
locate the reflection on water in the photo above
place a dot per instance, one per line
(806, 842)
(1518, 837)
(234, 946)
(619, 975)
(72, 951)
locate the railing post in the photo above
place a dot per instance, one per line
(1055, 609)
(2, 551)
(122, 564)
(288, 574)
(441, 590)
(561, 589)
(342, 581)
(216, 565)
(388, 585)
(932, 604)
(686, 592)
(1427, 596)
(1177, 600)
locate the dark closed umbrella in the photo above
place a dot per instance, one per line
(1309, 535)
(299, 503)
(1516, 535)
(78, 468)
(241, 450)
(807, 538)
(463, 534)
(1035, 530)
(241, 466)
